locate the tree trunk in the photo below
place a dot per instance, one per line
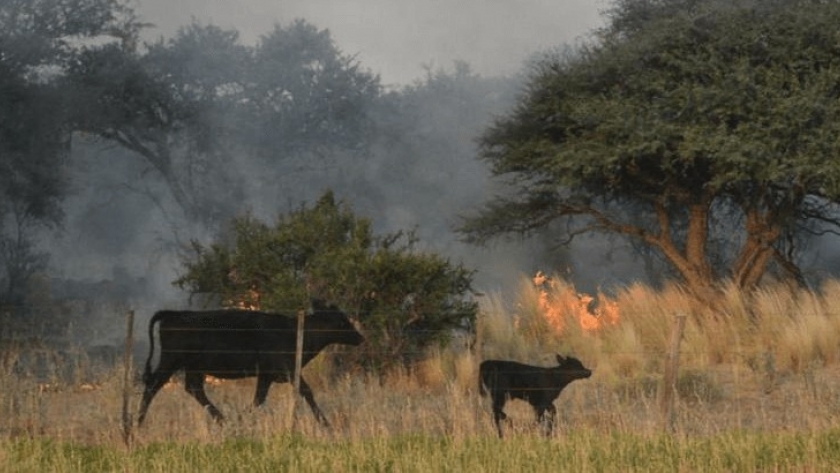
(757, 251)
(159, 156)
(691, 263)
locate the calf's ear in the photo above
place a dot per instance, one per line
(560, 359)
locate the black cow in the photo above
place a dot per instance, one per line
(237, 344)
(536, 385)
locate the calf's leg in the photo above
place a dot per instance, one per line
(545, 416)
(498, 413)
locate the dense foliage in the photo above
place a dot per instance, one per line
(405, 299)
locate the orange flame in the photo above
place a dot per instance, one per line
(247, 301)
(558, 301)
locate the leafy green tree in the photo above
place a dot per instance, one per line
(685, 124)
(406, 300)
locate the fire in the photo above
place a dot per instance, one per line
(558, 301)
(248, 301)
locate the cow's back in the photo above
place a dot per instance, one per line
(225, 343)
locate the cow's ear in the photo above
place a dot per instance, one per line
(560, 359)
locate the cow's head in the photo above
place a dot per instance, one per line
(338, 325)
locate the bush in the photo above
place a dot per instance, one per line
(404, 299)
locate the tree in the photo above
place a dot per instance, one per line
(406, 300)
(33, 146)
(685, 123)
(308, 98)
(200, 103)
(162, 106)
(38, 41)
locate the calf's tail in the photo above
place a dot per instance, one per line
(147, 373)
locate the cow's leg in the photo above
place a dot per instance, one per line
(194, 384)
(306, 392)
(263, 383)
(546, 415)
(498, 413)
(153, 385)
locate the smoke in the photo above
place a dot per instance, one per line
(122, 224)
(397, 38)
(124, 236)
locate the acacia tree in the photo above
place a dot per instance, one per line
(405, 299)
(684, 123)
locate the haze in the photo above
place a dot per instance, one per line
(122, 239)
(397, 38)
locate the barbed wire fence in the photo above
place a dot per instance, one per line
(666, 390)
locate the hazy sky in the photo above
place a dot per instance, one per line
(395, 38)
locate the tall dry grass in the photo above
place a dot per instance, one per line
(765, 362)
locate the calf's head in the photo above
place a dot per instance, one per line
(572, 367)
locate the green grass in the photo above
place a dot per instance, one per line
(576, 451)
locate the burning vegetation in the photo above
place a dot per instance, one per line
(559, 303)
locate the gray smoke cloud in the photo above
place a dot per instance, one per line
(396, 38)
(124, 236)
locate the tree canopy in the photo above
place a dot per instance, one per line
(191, 104)
(39, 40)
(683, 124)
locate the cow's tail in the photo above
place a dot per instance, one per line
(147, 373)
(482, 389)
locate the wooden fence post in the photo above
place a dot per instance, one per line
(668, 388)
(127, 421)
(477, 351)
(299, 350)
(301, 314)
(478, 340)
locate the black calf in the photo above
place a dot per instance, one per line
(538, 386)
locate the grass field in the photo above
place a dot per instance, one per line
(759, 390)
